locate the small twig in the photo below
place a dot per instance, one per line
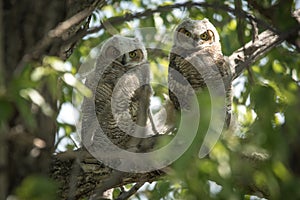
(250, 75)
(240, 24)
(59, 139)
(254, 38)
(153, 126)
(254, 30)
(67, 24)
(240, 31)
(134, 189)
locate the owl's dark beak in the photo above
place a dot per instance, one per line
(196, 41)
(123, 60)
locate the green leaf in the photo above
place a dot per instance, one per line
(277, 67)
(116, 192)
(37, 187)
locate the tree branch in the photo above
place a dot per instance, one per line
(60, 34)
(91, 175)
(81, 176)
(125, 195)
(167, 8)
(248, 54)
(252, 51)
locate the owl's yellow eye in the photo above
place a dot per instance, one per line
(204, 36)
(132, 54)
(188, 34)
(184, 32)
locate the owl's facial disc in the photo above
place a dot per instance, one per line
(112, 53)
(184, 36)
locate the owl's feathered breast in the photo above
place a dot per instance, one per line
(190, 65)
(183, 63)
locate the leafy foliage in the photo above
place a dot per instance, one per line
(266, 102)
(37, 187)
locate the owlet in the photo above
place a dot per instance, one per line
(121, 98)
(196, 60)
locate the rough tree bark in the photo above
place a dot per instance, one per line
(26, 37)
(29, 32)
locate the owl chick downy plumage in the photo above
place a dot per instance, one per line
(121, 98)
(196, 59)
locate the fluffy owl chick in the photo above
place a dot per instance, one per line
(196, 60)
(121, 99)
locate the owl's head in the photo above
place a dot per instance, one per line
(191, 34)
(124, 50)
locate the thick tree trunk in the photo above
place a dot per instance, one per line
(25, 37)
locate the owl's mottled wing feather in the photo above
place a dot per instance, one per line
(173, 80)
(105, 116)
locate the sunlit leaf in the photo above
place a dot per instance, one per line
(38, 99)
(281, 171)
(232, 25)
(55, 63)
(72, 81)
(277, 67)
